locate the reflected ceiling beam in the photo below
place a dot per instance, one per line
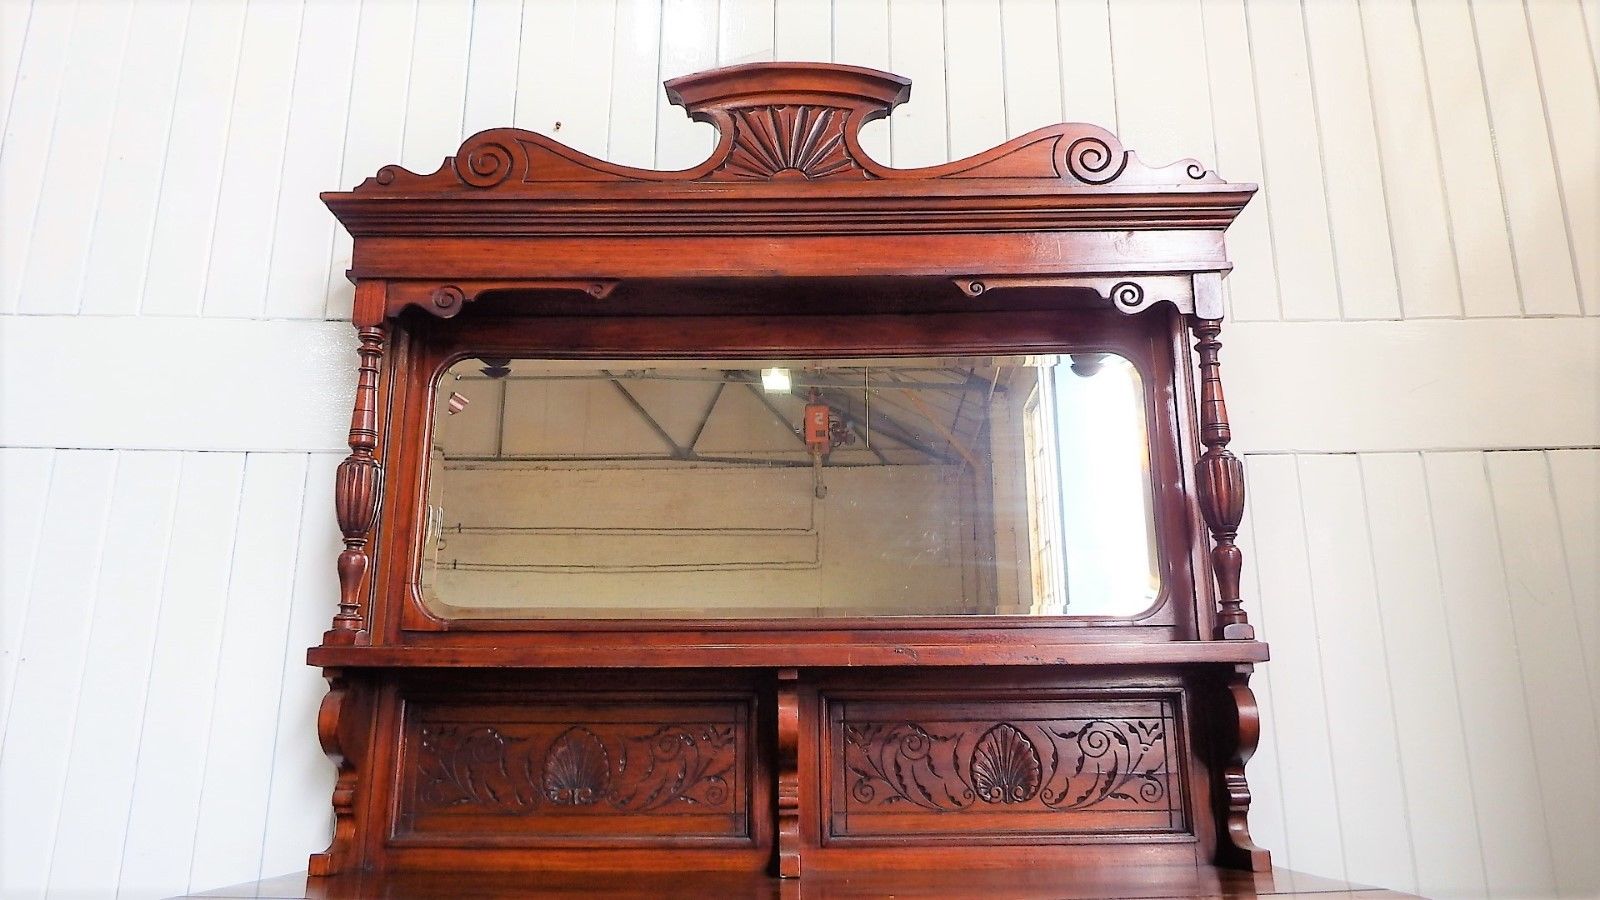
(799, 380)
(710, 408)
(678, 452)
(944, 430)
(777, 414)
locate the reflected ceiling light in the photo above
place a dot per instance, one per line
(776, 381)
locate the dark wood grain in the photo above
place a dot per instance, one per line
(921, 756)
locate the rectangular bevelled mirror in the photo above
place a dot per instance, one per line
(791, 488)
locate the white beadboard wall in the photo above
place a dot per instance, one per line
(1414, 369)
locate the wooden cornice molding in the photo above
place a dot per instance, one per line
(788, 191)
(799, 125)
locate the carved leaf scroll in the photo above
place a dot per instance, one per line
(639, 769)
(1047, 766)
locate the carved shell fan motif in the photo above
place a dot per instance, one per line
(1005, 766)
(577, 769)
(789, 142)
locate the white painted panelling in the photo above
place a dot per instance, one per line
(1431, 709)
(1398, 384)
(1467, 158)
(1422, 384)
(190, 384)
(59, 601)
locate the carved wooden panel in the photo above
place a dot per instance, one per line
(1004, 768)
(533, 768)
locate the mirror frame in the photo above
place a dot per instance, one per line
(1151, 342)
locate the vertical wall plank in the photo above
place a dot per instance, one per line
(1572, 110)
(1527, 164)
(1300, 706)
(1292, 161)
(1432, 747)
(1471, 179)
(13, 32)
(301, 783)
(437, 90)
(974, 70)
(1351, 168)
(376, 126)
(917, 130)
(564, 90)
(745, 31)
(636, 84)
(493, 57)
(1088, 79)
(1419, 222)
(79, 145)
(119, 248)
(238, 760)
(252, 169)
(30, 121)
(688, 39)
(318, 114)
(1377, 843)
(54, 644)
(1550, 656)
(1252, 287)
(1031, 65)
(1160, 117)
(162, 815)
(87, 849)
(197, 143)
(1575, 481)
(861, 38)
(803, 29)
(1494, 715)
(25, 472)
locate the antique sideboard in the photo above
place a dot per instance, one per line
(790, 513)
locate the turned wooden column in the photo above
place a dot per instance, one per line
(1220, 476)
(359, 481)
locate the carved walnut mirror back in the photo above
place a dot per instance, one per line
(789, 512)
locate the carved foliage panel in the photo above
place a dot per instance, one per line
(535, 768)
(1043, 767)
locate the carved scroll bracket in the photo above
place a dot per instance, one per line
(340, 730)
(788, 773)
(1219, 476)
(1235, 848)
(1126, 294)
(447, 300)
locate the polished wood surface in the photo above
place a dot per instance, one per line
(1035, 756)
(1090, 884)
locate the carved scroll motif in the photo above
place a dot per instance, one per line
(1045, 766)
(1220, 479)
(658, 769)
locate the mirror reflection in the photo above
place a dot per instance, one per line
(1012, 485)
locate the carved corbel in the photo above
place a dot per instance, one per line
(447, 300)
(788, 774)
(1125, 295)
(1235, 848)
(335, 721)
(359, 482)
(1220, 479)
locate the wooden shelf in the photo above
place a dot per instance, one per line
(594, 650)
(1037, 884)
